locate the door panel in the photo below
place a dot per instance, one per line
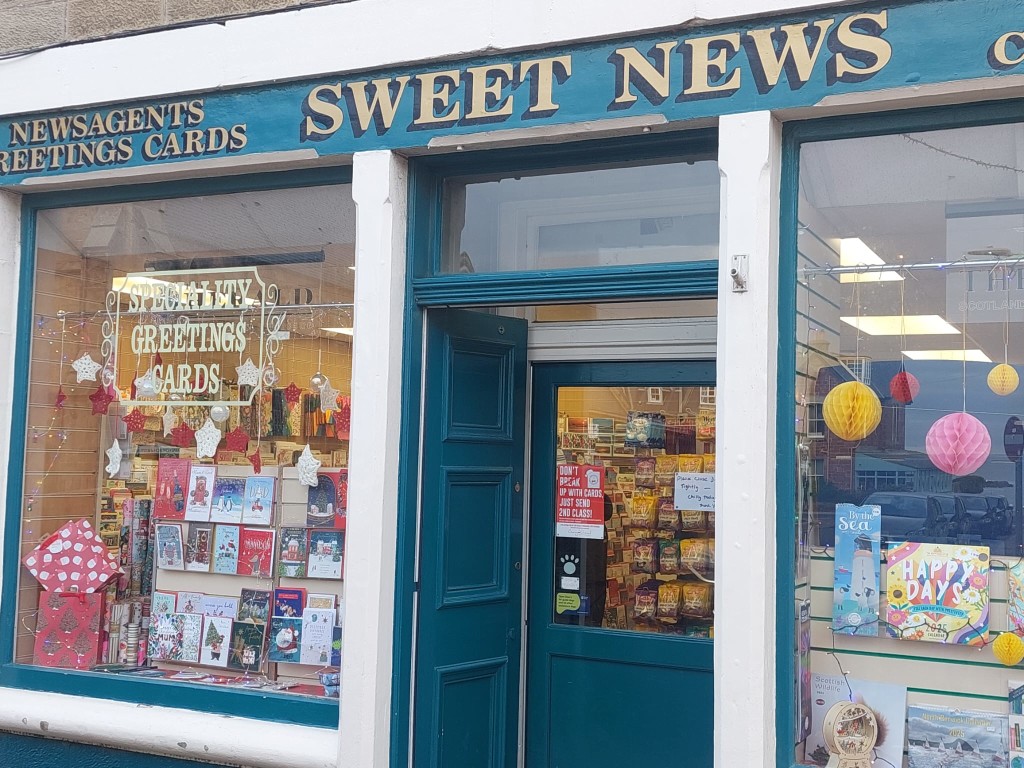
(611, 685)
(471, 537)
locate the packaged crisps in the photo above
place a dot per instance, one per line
(697, 600)
(690, 462)
(644, 510)
(625, 481)
(691, 520)
(646, 602)
(668, 557)
(645, 556)
(645, 468)
(665, 470)
(668, 517)
(670, 596)
(706, 424)
(710, 567)
(693, 553)
(709, 462)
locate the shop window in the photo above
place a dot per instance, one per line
(188, 403)
(909, 346)
(650, 212)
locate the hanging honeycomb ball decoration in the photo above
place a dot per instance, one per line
(852, 411)
(904, 387)
(958, 444)
(1003, 379)
(1008, 649)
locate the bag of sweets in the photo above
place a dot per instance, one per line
(646, 605)
(670, 595)
(644, 510)
(625, 481)
(697, 600)
(645, 469)
(691, 520)
(668, 517)
(668, 557)
(665, 470)
(645, 556)
(690, 462)
(693, 553)
(709, 568)
(709, 462)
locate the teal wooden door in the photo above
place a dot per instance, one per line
(466, 697)
(596, 696)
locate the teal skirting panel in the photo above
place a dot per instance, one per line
(18, 751)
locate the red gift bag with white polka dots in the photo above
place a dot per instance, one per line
(73, 559)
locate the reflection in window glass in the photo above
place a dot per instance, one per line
(910, 311)
(603, 217)
(631, 554)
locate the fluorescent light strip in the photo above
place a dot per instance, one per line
(342, 331)
(897, 325)
(854, 252)
(957, 355)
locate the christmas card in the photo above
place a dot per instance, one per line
(285, 636)
(189, 602)
(225, 549)
(258, 500)
(220, 606)
(316, 636)
(938, 593)
(254, 606)
(292, 552)
(169, 549)
(325, 554)
(247, 646)
(256, 553)
(289, 601)
(318, 600)
(216, 641)
(199, 501)
(163, 602)
(336, 647)
(175, 637)
(321, 501)
(172, 477)
(197, 547)
(227, 500)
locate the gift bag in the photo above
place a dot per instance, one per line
(68, 629)
(73, 559)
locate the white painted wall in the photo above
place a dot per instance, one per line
(749, 159)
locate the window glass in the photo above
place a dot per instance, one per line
(910, 311)
(639, 213)
(631, 551)
(184, 353)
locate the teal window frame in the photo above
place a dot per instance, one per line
(426, 286)
(280, 707)
(795, 134)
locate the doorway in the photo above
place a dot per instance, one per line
(596, 660)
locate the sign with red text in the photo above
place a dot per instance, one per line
(580, 502)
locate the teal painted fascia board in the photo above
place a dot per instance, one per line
(281, 707)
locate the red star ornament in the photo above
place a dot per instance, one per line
(61, 397)
(183, 436)
(256, 461)
(101, 399)
(292, 393)
(135, 421)
(237, 440)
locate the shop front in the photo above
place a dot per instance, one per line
(520, 408)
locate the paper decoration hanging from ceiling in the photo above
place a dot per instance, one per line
(904, 387)
(1003, 379)
(85, 368)
(207, 439)
(852, 410)
(308, 466)
(114, 455)
(958, 443)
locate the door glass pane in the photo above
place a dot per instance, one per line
(634, 509)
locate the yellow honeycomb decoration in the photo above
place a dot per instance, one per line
(1008, 648)
(852, 410)
(1003, 379)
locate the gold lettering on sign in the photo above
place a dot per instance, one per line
(705, 65)
(1007, 51)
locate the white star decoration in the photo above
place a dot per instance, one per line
(147, 385)
(207, 440)
(248, 374)
(307, 466)
(114, 454)
(328, 396)
(170, 421)
(86, 368)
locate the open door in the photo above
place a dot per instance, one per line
(466, 697)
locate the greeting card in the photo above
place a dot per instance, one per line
(216, 641)
(176, 637)
(318, 600)
(199, 501)
(291, 556)
(258, 500)
(256, 553)
(225, 549)
(172, 476)
(189, 602)
(289, 601)
(325, 554)
(247, 646)
(316, 636)
(227, 500)
(197, 547)
(254, 606)
(336, 647)
(938, 593)
(169, 549)
(321, 501)
(218, 605)
(163, 602)
(285, 636)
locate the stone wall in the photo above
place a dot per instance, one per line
(28, 25)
